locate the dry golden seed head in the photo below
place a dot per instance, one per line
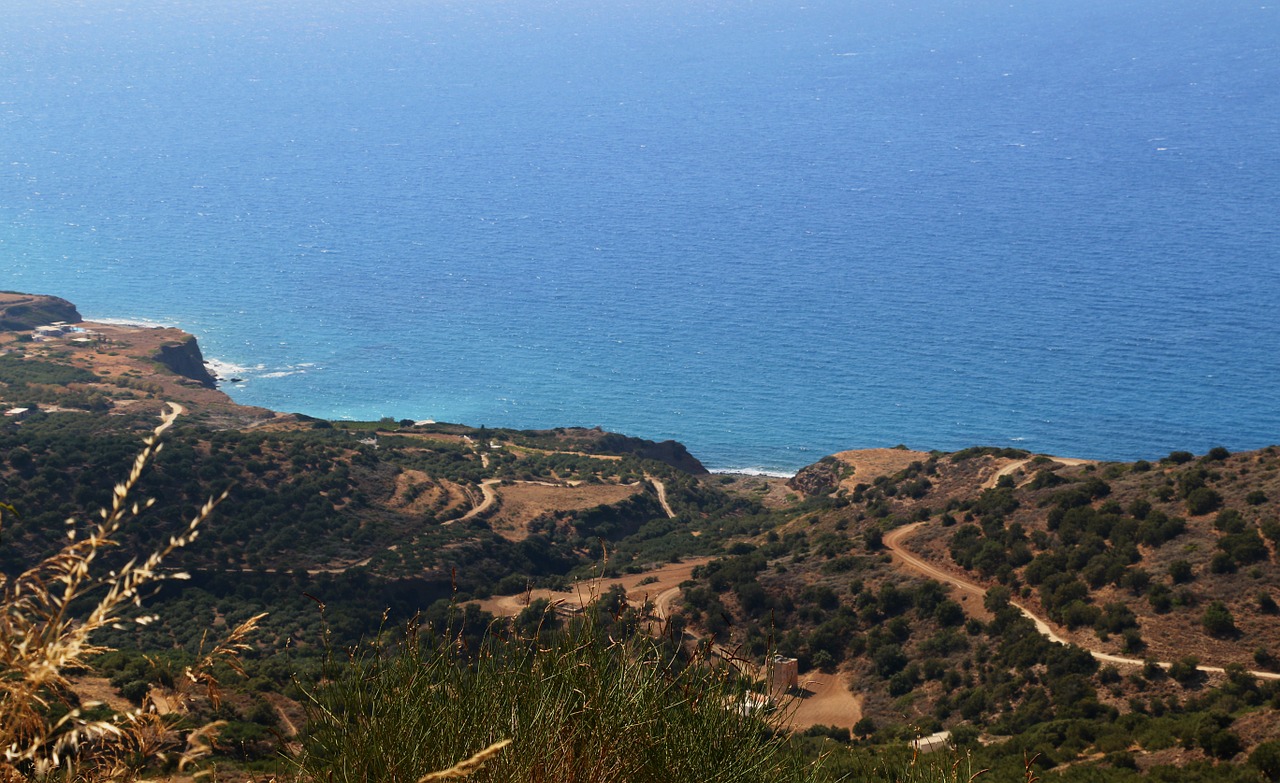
(467, 766)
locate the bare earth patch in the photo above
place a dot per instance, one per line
(124, 356)
(418, 493)
(867, 464)
(523, 503)
(661, 586)
(92, 688)
(826, 700)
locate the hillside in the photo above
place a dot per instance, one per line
(1166, 570)
(907, 584)
(416, 512)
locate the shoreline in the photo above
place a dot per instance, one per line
(137, 323)
(755, 472)
(234, 376)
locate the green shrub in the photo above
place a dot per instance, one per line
(1203, 500)
(1266, 758)
(1185, 670)
(1217, 619)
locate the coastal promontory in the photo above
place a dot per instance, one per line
(20, 311)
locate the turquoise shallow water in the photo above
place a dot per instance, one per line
(770, 230)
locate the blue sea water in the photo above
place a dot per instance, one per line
(771, 229)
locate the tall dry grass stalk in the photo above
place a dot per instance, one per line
(43, 731)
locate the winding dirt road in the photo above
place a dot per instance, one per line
(662, 495)
(1014, 467)
(490, 496)
(893, 541)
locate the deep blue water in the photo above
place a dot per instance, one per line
(772, 230)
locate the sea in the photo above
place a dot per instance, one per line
(769, 229)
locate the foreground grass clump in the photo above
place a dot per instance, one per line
(578, 707)
(49, 614)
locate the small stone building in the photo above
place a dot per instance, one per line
(784, 674)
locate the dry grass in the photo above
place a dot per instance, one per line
(48, 616)
(868, 464)
(523, 503)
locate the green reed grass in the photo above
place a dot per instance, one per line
(578, 708)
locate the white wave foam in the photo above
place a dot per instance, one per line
(753, 471)
(139, 322)
(224, 370)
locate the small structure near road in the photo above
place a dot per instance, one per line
(784, 675)
(60, 329)
(938, 741)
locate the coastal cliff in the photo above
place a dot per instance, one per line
(21, 312)
(183, 357)
(115, 358)
(671, 452)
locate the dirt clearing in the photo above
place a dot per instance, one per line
(657, 582)
(523, 503)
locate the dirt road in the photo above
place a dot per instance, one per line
(825, 700)
(662, 495)
(894, 541)
(490, 496)
(1014, 467)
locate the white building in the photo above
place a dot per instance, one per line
(939, 741)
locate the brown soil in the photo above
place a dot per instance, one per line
(91, 688)
(1212, 657)
(522, 503)
(519, 450)
(1017, 468)
(968, 594)
(664, 580)
(825, 700)
(418, 493)
(868, 464)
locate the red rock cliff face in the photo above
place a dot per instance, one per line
(21, 312)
